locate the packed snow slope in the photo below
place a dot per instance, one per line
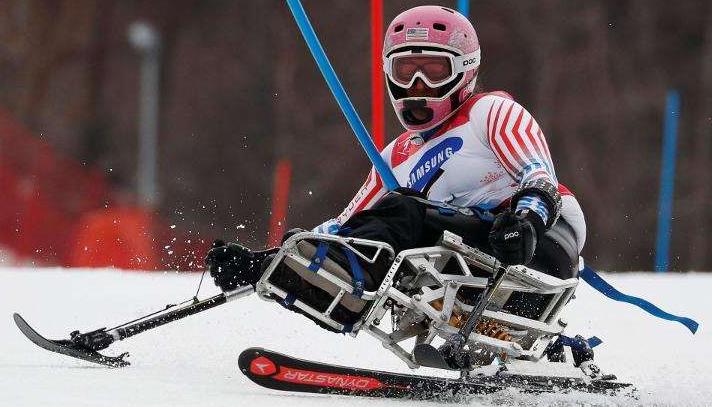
(193, 362)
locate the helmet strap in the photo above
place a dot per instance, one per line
(467, 90)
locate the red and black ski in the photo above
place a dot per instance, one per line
(281, 372)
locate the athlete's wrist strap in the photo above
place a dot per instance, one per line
(546, 191)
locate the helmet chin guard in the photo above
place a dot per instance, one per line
(431, 30)
(416, 112)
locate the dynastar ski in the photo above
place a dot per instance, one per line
(281, 372)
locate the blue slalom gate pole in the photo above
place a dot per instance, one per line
(463, 6)
(667, 181)
(317, 51)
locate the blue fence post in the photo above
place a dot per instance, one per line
(463, 6)
(667, 181)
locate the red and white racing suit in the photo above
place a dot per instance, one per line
(477, 159)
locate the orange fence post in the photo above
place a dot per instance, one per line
(280, 201)
(115, 237)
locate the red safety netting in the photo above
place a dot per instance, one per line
(43, 195)
(56, 211)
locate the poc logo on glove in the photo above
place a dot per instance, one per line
(508, 236)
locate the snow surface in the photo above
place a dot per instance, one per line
(193, 362)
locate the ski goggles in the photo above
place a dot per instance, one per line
(435, 68)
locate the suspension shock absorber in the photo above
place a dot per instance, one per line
(493, 330)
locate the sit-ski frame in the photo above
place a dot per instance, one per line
(422, 299)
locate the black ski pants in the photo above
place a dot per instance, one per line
(405, 223)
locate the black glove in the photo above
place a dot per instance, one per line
(232, 265)
(514, 237)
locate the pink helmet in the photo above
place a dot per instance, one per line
(414, 40)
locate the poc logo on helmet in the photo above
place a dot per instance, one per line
(469, 61)
(508, 236)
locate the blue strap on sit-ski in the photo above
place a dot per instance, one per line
(356, 272)
(354, 265)
(596, 281)
(319, 257)
(576, 344)
(288, 301)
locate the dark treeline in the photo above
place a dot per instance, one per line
(239, 91)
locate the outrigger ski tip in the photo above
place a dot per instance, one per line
(68, 347)
(86, 345)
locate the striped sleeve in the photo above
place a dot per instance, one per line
(518, 142)
(520, 146)
(370, 192)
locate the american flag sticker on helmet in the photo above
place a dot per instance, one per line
(415, 34)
